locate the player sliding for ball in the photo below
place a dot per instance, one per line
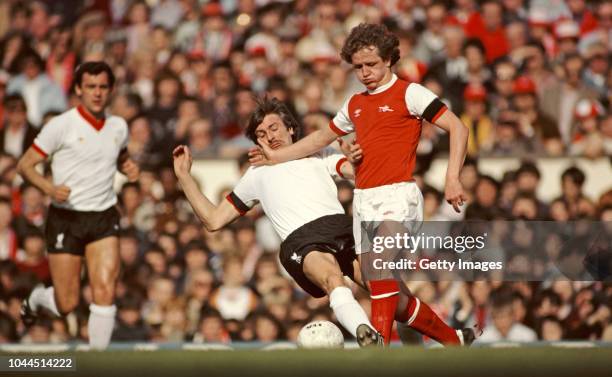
(387, 119)
(301, 199)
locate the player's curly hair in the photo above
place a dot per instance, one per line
(266, 106)
(366, 35)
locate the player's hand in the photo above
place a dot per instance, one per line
(454, 195)
(131, 170)
(262, 154)
(60, 193)
(182, 160)
(351, 150)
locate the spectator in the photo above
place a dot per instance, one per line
(474, 53)
(17, 134)
(39, 92)
(430, 45)
(233, 299)
(211, 328)
(475, 117)
(561, 99)
(8, 238)
(490, 30)
(504, 326)
(572, 181)
(33, 259)
(509, 139)
(130, 325)
(532, 123)
(551, 329)
(588, 141)
(451, 70)
(61, 61)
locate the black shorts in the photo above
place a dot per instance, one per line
(329, 234)
(70, 231)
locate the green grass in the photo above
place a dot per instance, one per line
(408, 362)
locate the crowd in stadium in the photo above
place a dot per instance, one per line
(528, 78)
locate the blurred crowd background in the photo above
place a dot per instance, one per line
(529, 78)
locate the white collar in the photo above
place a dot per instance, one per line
(381, 89)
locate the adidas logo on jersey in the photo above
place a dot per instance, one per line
(384, 109)
(296, 258)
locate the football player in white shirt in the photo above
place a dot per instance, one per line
(86, 148)
(300, 198)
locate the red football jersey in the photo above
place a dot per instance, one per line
(387, 123)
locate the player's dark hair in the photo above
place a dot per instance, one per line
(366, 35)
(267, 106)
(94, 69)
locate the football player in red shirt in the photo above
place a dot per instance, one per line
(386, 119)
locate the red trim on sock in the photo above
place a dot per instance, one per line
(380, 287)
(383, 309)
(428, 323)
(383, 315)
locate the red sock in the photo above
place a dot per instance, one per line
(385, 296)
(420, 317)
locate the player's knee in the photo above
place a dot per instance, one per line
(332, 281)
(103, 294)
(66, 304)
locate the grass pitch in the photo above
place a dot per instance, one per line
(408, 362)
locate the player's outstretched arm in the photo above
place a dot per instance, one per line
(213, 217)
(27, 168)
(264, 155)
(453, 191)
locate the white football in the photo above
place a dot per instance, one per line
(320, 334)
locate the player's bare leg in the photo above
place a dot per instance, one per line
(102, 257)
(63, 296)
(323, 270)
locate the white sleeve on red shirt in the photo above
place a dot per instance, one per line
(332, 160)
(418, 98)
(341, 124)
(49, 139)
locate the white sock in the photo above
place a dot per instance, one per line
(100, 325)
(347, 310)
(44, 297)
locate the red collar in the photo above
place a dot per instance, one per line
(93, 121)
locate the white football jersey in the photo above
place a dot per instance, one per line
(292, 193)
(84, 153)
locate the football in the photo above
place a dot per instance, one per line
(320, 334)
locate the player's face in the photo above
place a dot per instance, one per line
(370, 68)
(94, 92)
(273, 132)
